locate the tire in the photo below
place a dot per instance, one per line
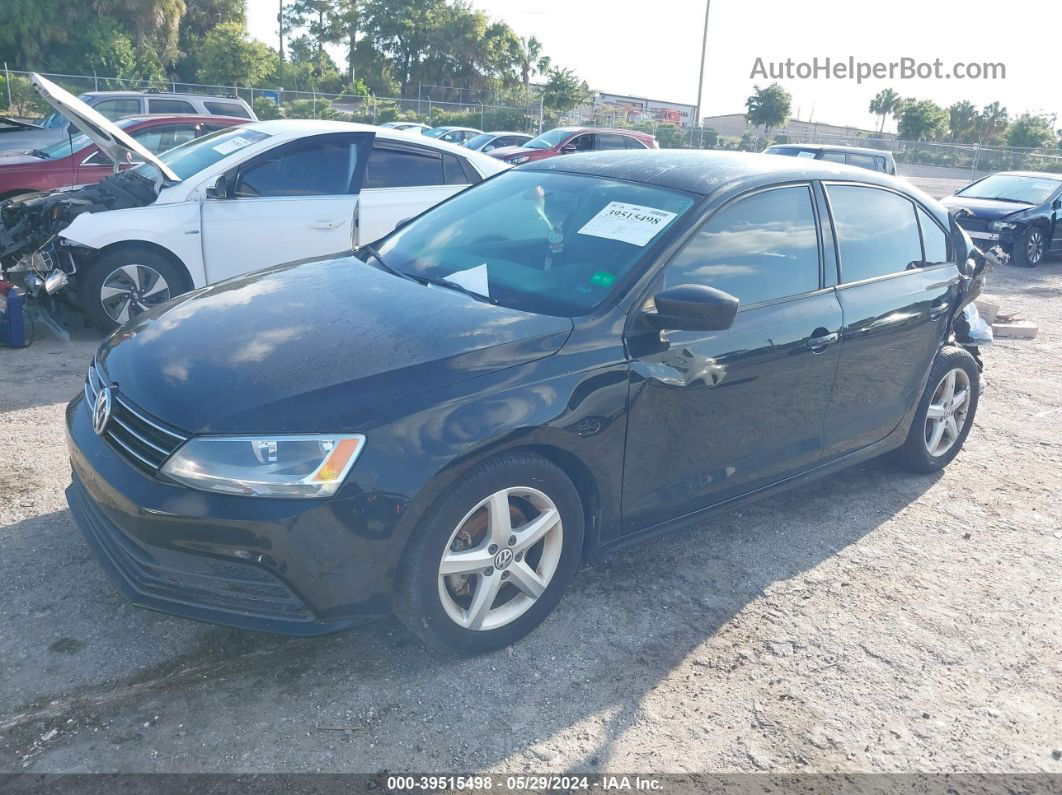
(149, 277)
(1030, 249)
(919, 453)
(458, 531)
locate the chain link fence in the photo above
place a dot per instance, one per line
(457, 106)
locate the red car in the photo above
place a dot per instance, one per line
(565, 140)
(78, 161)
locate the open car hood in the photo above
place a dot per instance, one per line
(112, 141)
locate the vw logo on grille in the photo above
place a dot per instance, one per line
(101, 412)
(503, 558)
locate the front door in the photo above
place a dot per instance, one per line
(897, 293)
(293, 202)
(403, 180)
(713, 415)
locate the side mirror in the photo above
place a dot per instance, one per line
(692, 307)
(1056, 204)
(220, 189)
(569, 149)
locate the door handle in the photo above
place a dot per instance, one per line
(325, 224)
(938, 308)
(819, 342)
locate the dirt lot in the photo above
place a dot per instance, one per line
(874, 621)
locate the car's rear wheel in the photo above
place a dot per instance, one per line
(125, 283)
(1030, 248)
(492, 556)
(945, 413)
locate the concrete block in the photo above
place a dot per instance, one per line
(987, 307)
(1019, 329)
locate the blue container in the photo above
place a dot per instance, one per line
(13, 319)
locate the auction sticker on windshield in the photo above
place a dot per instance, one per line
(629, 223)
(231, 145)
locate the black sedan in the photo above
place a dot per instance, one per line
(1017, 210)
(565, 359)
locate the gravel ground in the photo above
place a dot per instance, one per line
(873, 621)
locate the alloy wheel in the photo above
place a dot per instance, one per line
(1034, 247)
(500, 558)
(948, 411)
(131, 289)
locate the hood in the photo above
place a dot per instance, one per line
(313, 346)
(985, 209)
(509, 151)
(112, 141)
(16, 158)
(24, 140)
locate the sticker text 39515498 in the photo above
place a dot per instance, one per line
(629, 223)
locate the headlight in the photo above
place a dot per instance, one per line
(518, 160)
(1002, 226)
(266, 466)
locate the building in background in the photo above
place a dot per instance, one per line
(735, 125)
(608, 109)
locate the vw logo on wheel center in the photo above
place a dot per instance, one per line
(101, 412)
(503, 558)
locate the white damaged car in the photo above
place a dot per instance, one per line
(227, 203)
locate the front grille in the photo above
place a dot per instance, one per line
(145, 441)
(185, 582)
(973, 224)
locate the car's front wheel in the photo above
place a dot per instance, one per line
(945, 413)
(1030, 248)
(492, 556)
(123, 283)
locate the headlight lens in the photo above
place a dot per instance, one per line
(1002, 226)
(518, 160)
(266, 466)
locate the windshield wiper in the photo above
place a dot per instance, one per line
(41, 154)
(372, 252)
(439, 282)
(1010, 201)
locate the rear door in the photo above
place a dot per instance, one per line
(403, 180)
(896, 290)
(295, 201)
(713, 415)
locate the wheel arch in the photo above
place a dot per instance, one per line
(123, 245)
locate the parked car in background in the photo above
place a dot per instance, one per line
(486, 399)
(872, 159)
(568, 140)
(1020, 211)
(115, 105)
(489, 141)
(408, 126)
(230, 202)
(79, 161)
(453, 135)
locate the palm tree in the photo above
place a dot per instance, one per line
(992, 123)
(884, 103)
(962, 119)
(531, 60)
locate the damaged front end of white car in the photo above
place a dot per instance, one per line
(34, 257)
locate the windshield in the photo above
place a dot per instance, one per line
(549, 139)
(436, 132)
(476, 141)
(68, 145)
(550, 243)
(192, 157)
(1010, 188)
(53, 121)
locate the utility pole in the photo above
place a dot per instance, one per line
(704, 52)
(280, 32)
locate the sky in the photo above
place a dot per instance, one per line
(652, 48)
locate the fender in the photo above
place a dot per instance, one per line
(174, 227)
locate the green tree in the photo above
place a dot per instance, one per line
(768, 107)
(200, 17)
(1031, 132)
(884, 103)
(992, 123)
(401, 30)
(962, 121)
(531, 60)
(29, 30)
(564, 91)
(228, 57)
(923, 120)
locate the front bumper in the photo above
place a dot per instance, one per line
(294, 567)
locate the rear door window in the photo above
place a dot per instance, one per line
(169, 106)
(114, 109)
(633, 143)
(934, 240)
(403, 168)
(759, 248)
(227, 109)
(833, 157)
(455, 174)
(608, 141)
(877, 233)
(866, 161)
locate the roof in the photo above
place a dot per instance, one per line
(862, 150)
(507, 132)
(160, 95)
(168, 117)
(704, 172)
